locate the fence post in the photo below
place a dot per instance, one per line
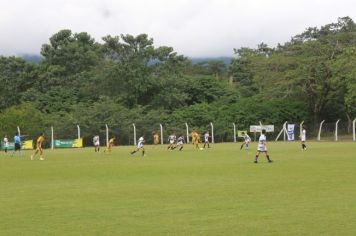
(134, 127)
(52, 138)
(107, 134)
(212, 132)
(161, 127)
(353, 129)
(301, 128)
(282, 130)
(233, 124)
(187, 128)
(336, 128)
(321, 125)
(78, 131)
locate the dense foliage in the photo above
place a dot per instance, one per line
(126, 79)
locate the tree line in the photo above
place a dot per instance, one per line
(125, 79)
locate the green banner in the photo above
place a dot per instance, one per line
(68, 143)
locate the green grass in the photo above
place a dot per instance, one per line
(219, 191)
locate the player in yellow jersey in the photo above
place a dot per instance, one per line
(155, 139)
(39, 143)
(195, 139)
(110, 144)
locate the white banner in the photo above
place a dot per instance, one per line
(290, 132)
(258, 129)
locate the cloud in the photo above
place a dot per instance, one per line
(191, 27)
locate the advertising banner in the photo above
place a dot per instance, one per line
(239, 133)
(290, 132)
(258, 129)
(68, 143)
(26, 145)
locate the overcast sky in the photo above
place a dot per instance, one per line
(195, 28)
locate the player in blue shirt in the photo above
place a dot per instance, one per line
(17, 142)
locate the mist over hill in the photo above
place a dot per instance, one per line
(35, 58)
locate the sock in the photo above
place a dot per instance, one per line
(181, 148)
(133, 152)
(241, 146)
(256, 158)
(268, 158)
(143, 153)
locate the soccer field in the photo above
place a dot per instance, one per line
(219, 191)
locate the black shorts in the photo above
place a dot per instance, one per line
(17, 147)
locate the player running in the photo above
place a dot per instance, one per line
(139, 146)
(110, 144)
(172, 141)
(39, 150)
(96, 142)
(262, 147)
(246, 141)
(180, 142)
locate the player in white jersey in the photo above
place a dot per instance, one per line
(172, 141)
(180, 142)
(6, 144)
(303, 138)
(206, 139)
(96, 142)
(246, 141)
(139, 146)
(262, 147)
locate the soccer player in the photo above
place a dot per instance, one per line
(172, 141)
(206, 139)
(180, 142)
(246, 141)
(262, 147)
(155, 139)
(39, 143)
(303, 137)
(195, 139)
(17, 142)
(96, 142)
(110, 144)
(6, 144)
(139, 146)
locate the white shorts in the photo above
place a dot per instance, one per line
(262, 148)
(140, 145)
(96, 144)
(171, 141)
(303, 139)
(180, 143)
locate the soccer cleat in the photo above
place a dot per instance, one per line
(255, 162)
(269, 161)
(42, 159)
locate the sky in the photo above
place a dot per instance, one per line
(194, 28)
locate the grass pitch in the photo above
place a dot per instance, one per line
(219, 191)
